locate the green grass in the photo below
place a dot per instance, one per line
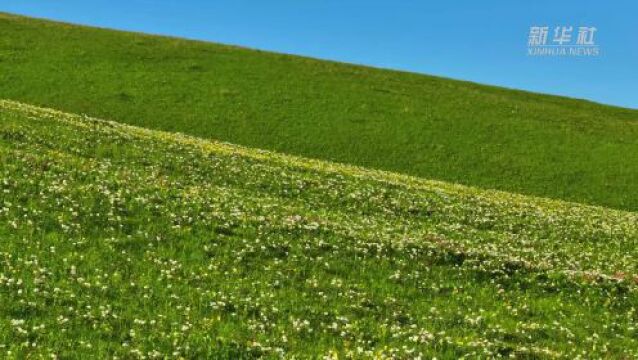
(419, 125)
(125, 242)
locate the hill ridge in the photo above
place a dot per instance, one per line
(301, 161)
(416, 124)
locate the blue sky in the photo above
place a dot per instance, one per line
(482, 41)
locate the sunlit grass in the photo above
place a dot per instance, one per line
(124, 242)
(420, 125)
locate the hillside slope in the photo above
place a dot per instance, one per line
(123, 241)
(420, 125)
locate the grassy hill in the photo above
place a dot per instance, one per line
(420, 125)
(129, 242)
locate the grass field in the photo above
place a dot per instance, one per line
(420, 125)
(125, 242)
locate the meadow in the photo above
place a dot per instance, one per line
(414, 124)
(130, 243)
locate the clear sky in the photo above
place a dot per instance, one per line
(482, 41)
